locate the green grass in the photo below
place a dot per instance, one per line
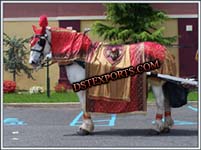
(192, 96)
(40, 98)
(25, 97)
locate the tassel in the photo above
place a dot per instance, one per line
(155, 50)
(167, 113)
(159, 116)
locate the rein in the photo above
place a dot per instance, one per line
(45, 64)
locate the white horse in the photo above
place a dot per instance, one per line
(41, 49)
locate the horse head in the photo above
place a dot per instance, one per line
(59, 44)
(40, 43)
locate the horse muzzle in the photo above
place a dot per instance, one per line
(34, 64)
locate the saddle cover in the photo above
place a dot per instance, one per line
(106, 59)
(127, 95)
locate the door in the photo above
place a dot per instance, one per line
(188, 45)
(75, 24)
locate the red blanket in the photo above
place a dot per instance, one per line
(68, 45)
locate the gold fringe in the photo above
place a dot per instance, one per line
(121, 114)
(168, 66)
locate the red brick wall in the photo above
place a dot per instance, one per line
(52, 10)
(12, 10)
(177, 8)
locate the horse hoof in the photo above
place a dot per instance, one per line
(83, 132)
(166, 130)
(153, 132)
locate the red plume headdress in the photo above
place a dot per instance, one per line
(39, 31)
(43, 23)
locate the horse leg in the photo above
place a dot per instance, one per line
(87, 125)
(169, 122)
(158, 92)
(76, 73)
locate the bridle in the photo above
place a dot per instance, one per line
(45, 62)
(41, 37)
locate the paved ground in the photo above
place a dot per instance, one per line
(56, 126)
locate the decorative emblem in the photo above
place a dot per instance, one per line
(114, 54)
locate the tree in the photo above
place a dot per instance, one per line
(131, 23)
(15, 56)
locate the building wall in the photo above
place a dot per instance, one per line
(24, 30)
(177, 8)
(84, 9)
(88, 24)
(171, 29)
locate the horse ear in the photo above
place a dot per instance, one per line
(34, 28)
